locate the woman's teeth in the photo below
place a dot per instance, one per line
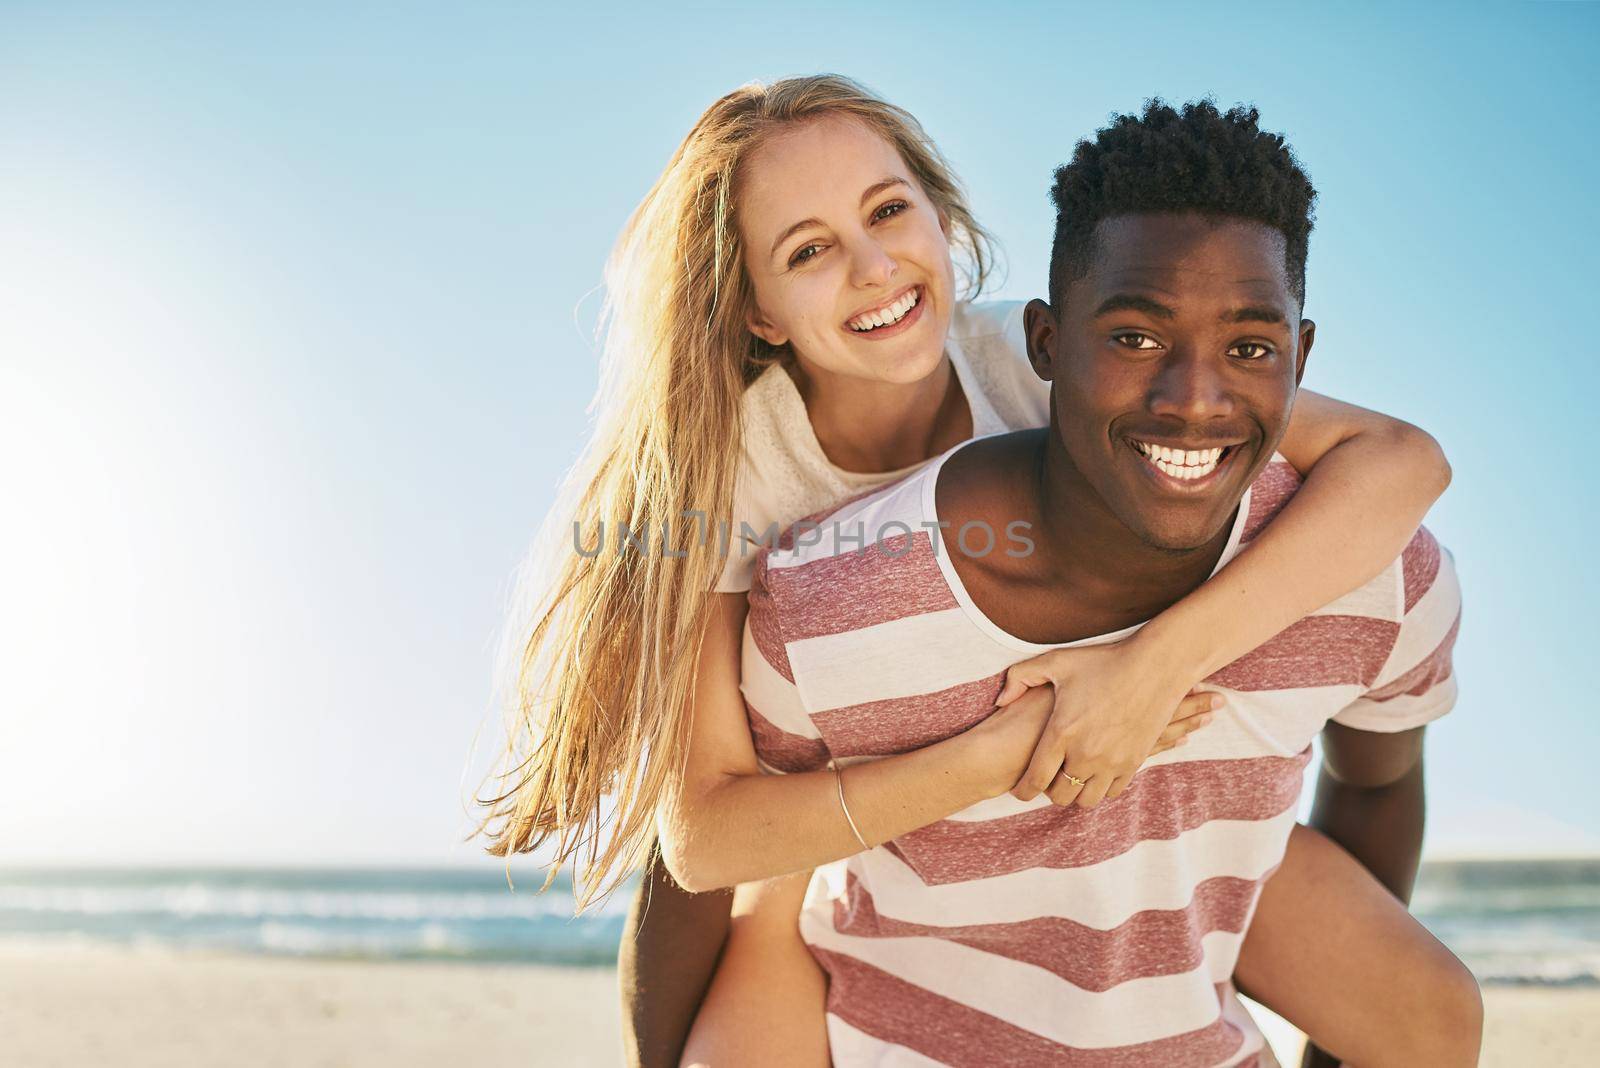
(1180, 463)
(886, 315)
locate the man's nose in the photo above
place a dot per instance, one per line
(1190, 387)
(870, 263)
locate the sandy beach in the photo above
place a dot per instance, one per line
(110, 1008)
(136, 1008)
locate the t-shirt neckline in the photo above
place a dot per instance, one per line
(930, 483)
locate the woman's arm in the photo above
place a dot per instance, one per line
(1369, 480)
(674, 939)
(731, 824)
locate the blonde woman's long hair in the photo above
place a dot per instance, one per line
(600, 651)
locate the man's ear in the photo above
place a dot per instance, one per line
(1040, 331)
(1308, 334)
(761, 328)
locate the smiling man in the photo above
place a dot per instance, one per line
(1019, 931)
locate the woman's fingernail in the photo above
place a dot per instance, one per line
(1216, 700)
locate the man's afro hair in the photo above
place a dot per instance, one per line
(1197, 159)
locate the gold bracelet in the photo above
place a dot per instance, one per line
(838, 774)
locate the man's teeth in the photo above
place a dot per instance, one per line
(890, 313)
(1181, 463)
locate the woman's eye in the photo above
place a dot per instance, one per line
(802, 255)
(893, 208)
(1142, 342)
(1250, 350)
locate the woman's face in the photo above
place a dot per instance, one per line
(838, 237)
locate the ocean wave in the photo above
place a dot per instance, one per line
(1511, 924)
(425, 940)
(1511, 899)
(200, 900)
(429, 942)
(1537, 970)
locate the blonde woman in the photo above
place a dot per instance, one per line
(785, 328)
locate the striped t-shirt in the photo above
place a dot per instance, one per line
(1025, 933)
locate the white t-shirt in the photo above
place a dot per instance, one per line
(784, 474)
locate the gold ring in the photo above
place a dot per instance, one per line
(1073, 779)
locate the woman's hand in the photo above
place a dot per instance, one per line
(1113, 708)
(1007, 738)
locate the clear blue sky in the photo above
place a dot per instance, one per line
(293, 350)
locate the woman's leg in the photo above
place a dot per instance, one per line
(1333, 952)
(767, 1001)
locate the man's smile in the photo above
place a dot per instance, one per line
(1183, 467)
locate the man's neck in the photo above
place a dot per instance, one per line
(1087, 544)
(1088, 574)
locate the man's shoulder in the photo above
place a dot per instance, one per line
(832, 532)
(1363, 637)
(878, 545)
(1274, 487)
(1391, 593)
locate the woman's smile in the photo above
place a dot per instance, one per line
(890, 318)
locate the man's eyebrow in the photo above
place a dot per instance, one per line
(1255, 313)
(1133, 302)
(871, 191)
(1249, 313)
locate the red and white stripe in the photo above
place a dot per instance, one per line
(1020, 932)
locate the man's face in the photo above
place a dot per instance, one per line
(1175, 363)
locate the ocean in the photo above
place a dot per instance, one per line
(1529, 922)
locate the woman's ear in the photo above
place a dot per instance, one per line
(761, 328)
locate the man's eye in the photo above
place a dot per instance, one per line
(802, 255)
(1250, 350)
(891, 209)
(1142, 342)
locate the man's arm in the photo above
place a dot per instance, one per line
(1369, 792)
(669, 952)
(1370, 801)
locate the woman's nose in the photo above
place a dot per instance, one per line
(871, 264)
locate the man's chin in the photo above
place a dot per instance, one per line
(1183, 534)
(1191, 519)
